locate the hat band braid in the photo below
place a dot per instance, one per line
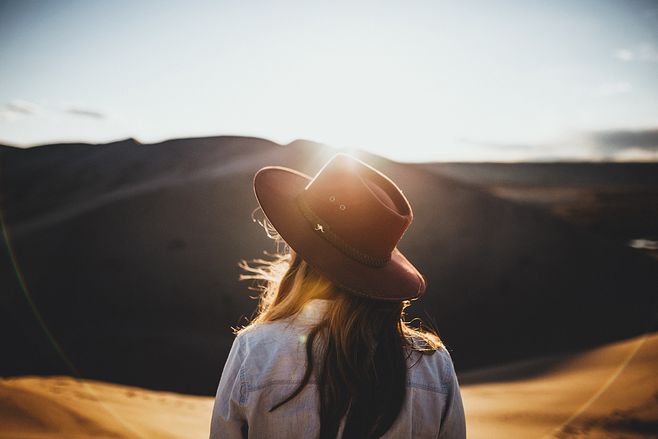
(322, 228)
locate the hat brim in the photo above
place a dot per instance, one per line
(276, 189)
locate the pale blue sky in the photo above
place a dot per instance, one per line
(412, 80)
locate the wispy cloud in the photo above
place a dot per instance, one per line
(501, 146)
(633, 155)
(85, 112)
(607, 145)
(624, 54)
(22, 106)
(611, 89)
(6, 115)
(18, 108)
(644, 52)
(624, 142)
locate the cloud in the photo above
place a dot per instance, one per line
(617, 141)
(21, 106)
(18, 108)
(644, 52)
(624, 54)
(85, 112)
(6, 115)
(611, 89)
(502, 146)
(634, 155)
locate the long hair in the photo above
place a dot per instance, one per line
(358, 351)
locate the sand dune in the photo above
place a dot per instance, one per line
(62, 407)
(608, 392)
(129, 253)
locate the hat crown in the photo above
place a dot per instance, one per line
(346, 223)
(358, 206)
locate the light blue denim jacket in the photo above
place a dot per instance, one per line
(267, 362)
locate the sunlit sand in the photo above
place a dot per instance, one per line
(611, 391)
(56, 407)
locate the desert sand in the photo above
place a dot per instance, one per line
(63, 407)
(606, 392)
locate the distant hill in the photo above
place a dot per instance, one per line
(618, 201)
(129, 252)
(551, 173)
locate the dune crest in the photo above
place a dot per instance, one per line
(607, 392)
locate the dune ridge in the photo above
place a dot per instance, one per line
(607, 392)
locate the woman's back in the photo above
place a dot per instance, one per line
(267, 363)
(329, 352)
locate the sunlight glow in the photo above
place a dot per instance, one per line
(413, 82)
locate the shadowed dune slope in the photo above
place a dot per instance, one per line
(129, 252)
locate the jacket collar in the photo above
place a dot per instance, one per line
(313, 310)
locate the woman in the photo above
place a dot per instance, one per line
(329, 353)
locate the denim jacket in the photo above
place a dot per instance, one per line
(267, 362)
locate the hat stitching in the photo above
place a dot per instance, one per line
(319, 225)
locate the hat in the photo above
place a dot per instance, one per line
(346, 223)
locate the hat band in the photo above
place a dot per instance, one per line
(323, 229)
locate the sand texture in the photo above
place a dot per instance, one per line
(607, 392)
(62, 407)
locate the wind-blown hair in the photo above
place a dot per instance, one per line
(358, 351)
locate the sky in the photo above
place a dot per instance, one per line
(411, 80)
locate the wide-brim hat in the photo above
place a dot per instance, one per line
(346, 223)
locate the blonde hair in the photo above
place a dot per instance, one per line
(363, 344)
(286, 283)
